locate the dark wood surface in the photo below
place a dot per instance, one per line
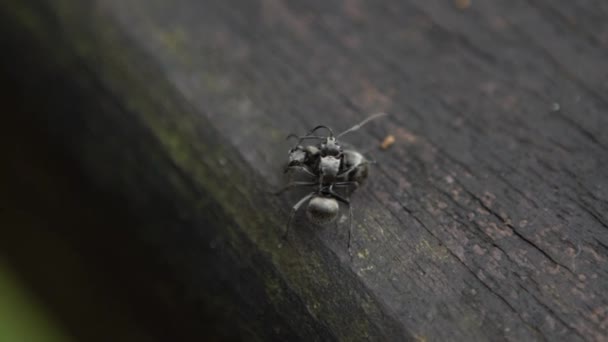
(486, 220)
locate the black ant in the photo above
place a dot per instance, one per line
(331, 166)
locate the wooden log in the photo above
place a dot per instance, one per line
(485, 220)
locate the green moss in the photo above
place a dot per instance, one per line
(173, 40)
(25, 15)
(126, 71)
(437, 252)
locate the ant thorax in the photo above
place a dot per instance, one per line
(329, 167)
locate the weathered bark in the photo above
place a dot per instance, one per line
(486, 220)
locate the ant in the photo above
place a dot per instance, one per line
(330, 166)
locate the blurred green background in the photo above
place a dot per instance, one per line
(49, 290)
(22, 316)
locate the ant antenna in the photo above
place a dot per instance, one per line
(304, 137)
(331, 133)
(361, 124)
(309, 136)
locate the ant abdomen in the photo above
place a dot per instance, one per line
(322, 210)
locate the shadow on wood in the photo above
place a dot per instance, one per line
(485, 220)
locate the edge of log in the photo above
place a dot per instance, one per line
(133, 135)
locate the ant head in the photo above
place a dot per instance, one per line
(322, 209)
(331, 147)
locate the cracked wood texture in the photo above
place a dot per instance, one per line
(486, 220)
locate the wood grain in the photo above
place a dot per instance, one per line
(486, 220)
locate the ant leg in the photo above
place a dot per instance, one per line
(294, 209)
(350, 214)
(304, 168)
(349, 186)
(346, 172)
(346, 183)
(337, 196)
(293, 185)
(350, 228)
